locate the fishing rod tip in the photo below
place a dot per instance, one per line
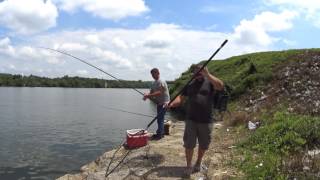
(224, 42)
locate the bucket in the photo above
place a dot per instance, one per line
(137, 138)
(167, 127)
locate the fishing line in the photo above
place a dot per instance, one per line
(83, 61)
(129, 112)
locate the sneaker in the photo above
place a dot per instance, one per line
(156, 137)
(187, 172)
(197, 168)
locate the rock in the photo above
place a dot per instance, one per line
(71, 177)
(217, 125)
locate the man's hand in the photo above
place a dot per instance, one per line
(166, 105)
(145, 96)
(204, 72)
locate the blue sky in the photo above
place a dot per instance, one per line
(129, 37)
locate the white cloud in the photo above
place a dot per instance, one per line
(11, 66)
(170, 66)
(26, 54)
(72, 46)
(156, 43)
(118, 42)
(53, 60)
(27, 51)
(160, 35)
(310, 8)
(82, 72)
(256, 31)
(6, 48)
(108, 9)
(4, 42)
(131, 53)
(182, 48)
(92, 39)
(289, 42)
(27, 17)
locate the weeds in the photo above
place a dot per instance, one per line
(266, 152)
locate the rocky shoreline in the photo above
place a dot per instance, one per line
(161, 159)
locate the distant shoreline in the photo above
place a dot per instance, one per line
(9, 80)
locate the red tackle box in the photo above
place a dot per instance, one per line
(137, 138)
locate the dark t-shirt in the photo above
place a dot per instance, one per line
(200, 101)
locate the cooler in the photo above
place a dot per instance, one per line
(137, 138)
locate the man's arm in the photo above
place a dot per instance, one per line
(177, 102)
(155, 93)
(216, 82)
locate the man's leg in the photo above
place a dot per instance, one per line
(204, 138)
(189, 154)
(199, 159)
(160, 120)
(189, 139)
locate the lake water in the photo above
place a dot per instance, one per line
(48, 132)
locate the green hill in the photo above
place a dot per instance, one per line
(280, 91)
(246, 71)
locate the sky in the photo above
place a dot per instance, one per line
(127, 38)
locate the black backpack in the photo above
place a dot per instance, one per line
(221, 98)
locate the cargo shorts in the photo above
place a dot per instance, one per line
(197, 131)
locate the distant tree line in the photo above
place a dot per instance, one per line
(66, 81)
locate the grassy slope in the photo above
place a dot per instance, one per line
(235, 71)
(271, 150)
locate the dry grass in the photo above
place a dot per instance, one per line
(237, 118)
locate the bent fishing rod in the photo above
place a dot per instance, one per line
(83, 61)
(192, 78)
(152, 121)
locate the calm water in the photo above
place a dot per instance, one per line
(48, 132)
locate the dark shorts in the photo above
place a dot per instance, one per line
(197, 131)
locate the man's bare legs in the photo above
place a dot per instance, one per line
(199, 159)
(189, 154)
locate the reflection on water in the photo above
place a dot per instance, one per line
(48, 132)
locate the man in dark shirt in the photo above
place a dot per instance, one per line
(198, 125)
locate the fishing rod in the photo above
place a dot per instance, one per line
(152, 121)
(192, 78)
(83, 61)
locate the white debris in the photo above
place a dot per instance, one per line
(251, 125)
(314, 152)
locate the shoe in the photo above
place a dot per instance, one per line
(156, 137)
(187, 172)
(197, 167)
